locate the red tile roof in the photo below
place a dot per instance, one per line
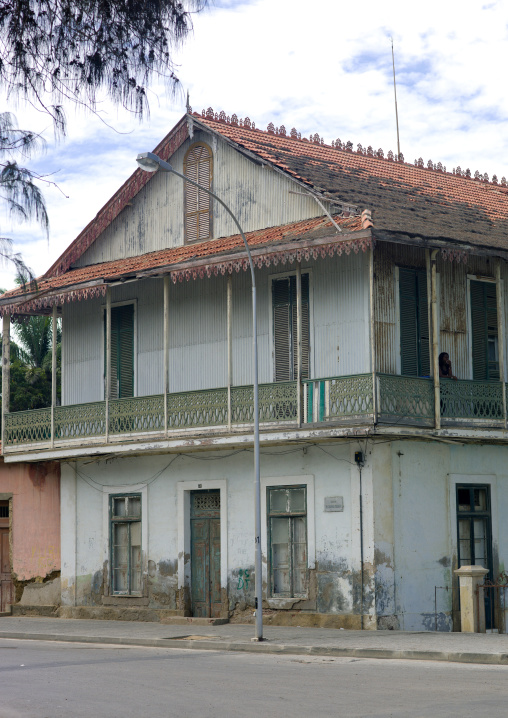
(177, 259)
(404, 198)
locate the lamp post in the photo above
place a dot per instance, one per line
(151, 163)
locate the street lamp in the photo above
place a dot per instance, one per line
(151, 163)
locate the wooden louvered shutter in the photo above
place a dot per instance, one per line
(408, 322)
(491, 315)
(285, 333)
(423, 325)
(282, 329)
(198, 167)
(484, 330)
(414, 322)
(125, 351)
(305, 327)
(122, 351)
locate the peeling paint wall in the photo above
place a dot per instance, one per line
(333, 579)
(35, 524)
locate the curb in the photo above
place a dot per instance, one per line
(496, 659)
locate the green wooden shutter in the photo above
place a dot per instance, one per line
(285, 328)
(414, 322)
(122, 351)
(423, 325)
(305, 326)
(408, 322)
(282, 328)
(484, 331)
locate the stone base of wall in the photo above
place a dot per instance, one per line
(307, 619)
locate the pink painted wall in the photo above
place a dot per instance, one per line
(35, 490)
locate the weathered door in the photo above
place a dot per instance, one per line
(6, 585)
(205, 554)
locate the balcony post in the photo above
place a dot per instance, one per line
(500, 335)
(53, 372)
(299, 344)
(166, 351)
(435, 341)
(108, 357)
(372, 334)
(6, 371)
(229, 310)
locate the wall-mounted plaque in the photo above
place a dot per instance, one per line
(334, 503)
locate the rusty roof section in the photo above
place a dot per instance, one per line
(197, 260)
(413, 200)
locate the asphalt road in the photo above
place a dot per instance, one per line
(52, 680)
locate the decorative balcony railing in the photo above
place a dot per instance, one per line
(396, 400)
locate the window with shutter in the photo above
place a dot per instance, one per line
(484, 331)
(414, 322)
(198, 166)
(122, 351)
(285, 328)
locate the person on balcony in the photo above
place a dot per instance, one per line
(445, 367)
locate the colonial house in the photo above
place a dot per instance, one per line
(380, 473)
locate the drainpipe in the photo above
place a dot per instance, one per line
(6, 371)
(500, 334)
(360, 462)
(435, 341)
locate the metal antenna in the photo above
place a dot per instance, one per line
(396, 111)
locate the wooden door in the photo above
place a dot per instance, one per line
(6, 585)
(205, 554)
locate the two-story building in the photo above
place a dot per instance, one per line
(378, 475)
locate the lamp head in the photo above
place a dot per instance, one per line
(151, 163)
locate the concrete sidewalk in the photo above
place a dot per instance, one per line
(459, 647)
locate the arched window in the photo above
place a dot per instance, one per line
(198, 166)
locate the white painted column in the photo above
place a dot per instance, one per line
(500, 334)
(472, 602)
(435, 341)
(299, 344)
(6, 370)
(372, 332)
(166, 351)
(53, 372)
(108, 357)
(229, 317)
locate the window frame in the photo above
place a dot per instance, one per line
(115, 305)
(186, 212)
(421, 276)
(290, 515)
(485, 280)
(129, 520)
(276, 277)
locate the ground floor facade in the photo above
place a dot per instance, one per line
(348, 539)
(29, 533)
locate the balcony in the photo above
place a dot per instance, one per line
(348, 400)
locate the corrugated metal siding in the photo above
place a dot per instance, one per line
(386, 258)
(453, 338)
(154, 221)
(198, 330)
(340, 312)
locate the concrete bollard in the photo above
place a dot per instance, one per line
(472, 608)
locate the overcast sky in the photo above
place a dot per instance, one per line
(322, 67)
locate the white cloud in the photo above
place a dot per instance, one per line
(322, 68)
